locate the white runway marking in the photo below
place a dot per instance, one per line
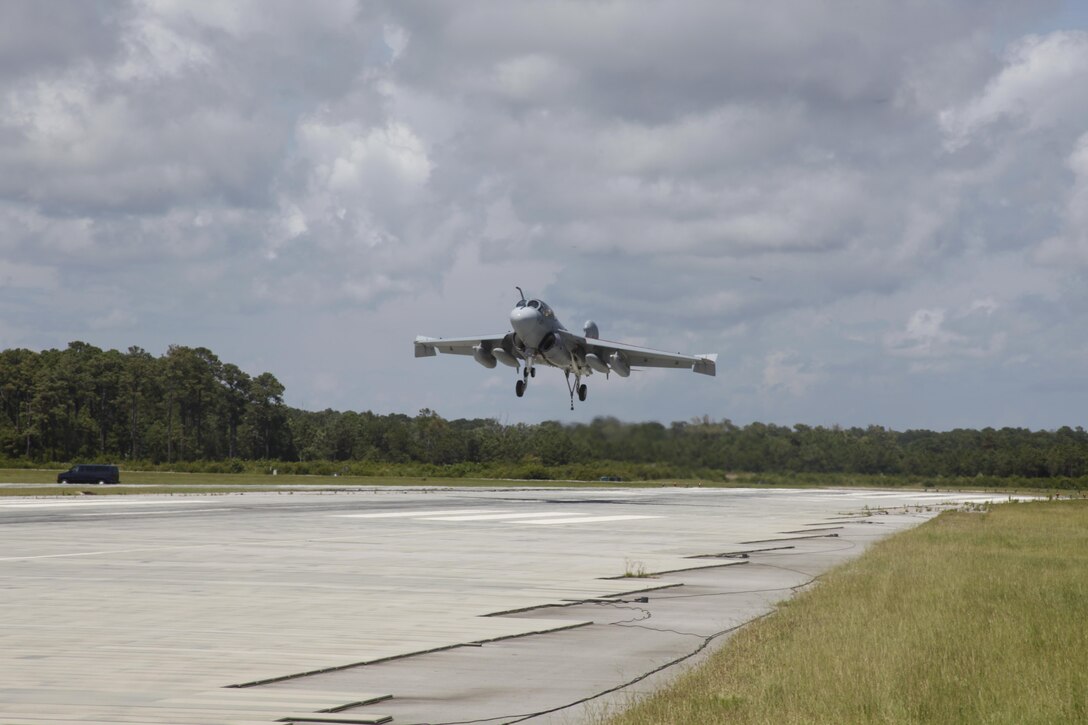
(496, 515)
(589, 519)
(502, 516)
(76, 553)
(418, 514)
(147, 513)
(84, 502)
(610, 493)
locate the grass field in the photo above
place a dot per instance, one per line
(970, 618)
(42, 482)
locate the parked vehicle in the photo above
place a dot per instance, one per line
(90, 473)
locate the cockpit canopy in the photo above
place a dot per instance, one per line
(537, 305)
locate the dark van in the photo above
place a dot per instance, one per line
(90, 473)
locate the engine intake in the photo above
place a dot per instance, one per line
(554, 349)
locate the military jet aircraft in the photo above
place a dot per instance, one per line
(539, 336)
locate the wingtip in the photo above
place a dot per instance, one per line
(706, 364)
(422, 348)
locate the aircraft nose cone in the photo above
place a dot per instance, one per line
(523, 315)
(527, 323)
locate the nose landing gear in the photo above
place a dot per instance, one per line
(526, 372)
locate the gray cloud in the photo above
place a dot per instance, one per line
(40, 37)
(850, 203)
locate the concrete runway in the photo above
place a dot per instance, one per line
(420, 605)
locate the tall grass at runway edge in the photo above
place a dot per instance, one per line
(408, 475)
(39, 482)
(533, 469)
(969, 618)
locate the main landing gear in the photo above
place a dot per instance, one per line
(529, 371)
(578, 387)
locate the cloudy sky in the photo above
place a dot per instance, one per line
(876, 212)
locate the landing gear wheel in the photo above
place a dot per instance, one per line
(582, 392)
(532, 371)
(519, 388)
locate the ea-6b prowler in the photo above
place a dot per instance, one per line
(539, 337)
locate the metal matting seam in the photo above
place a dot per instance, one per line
(573, 602)
(352, 665)
(348, 706)
(792, 538)
(740, 554)
(677, 571)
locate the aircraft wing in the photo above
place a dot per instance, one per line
(647, 357)
(430, 346)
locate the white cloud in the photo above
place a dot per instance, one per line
(155, 51)
(986, 305)
(784, 370)
(356, 184)
(533, 77)
(1071, 246)
(258, 17)
(934, 346)
(1035, 90)
(114, 318)
(924, 335)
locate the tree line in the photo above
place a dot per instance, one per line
(85, 403)
(187, 406)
